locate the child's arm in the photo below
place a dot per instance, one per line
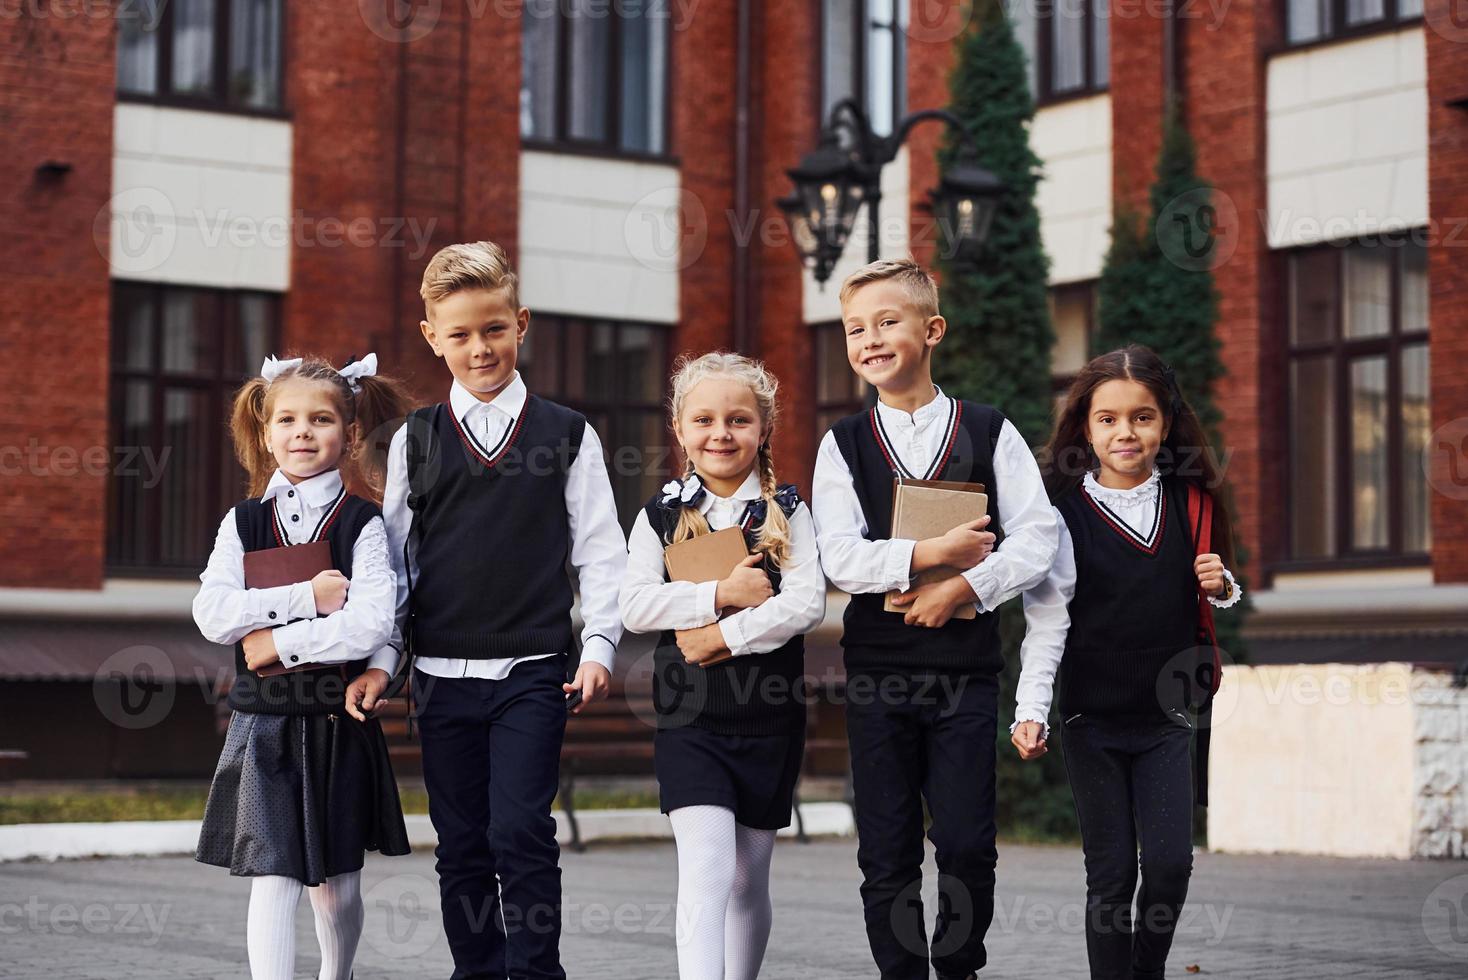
(850, 561)
(599, 556)
(1047, 621)
(648, 604)
(398, 522)
(226, 611)
(799, 606)
(362, 627)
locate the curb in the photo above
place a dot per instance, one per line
(155, 838)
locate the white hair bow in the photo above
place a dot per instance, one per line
(274, 367)
(355, 371)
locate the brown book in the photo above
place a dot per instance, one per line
(273, 567)
(928, 509)
(706, 558)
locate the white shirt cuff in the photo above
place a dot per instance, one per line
(276, 605)
(708, 597)
(288, 645)
(897, 569)
(1023, 715)
(302, 601)
(597, 649)
(980, 582)
(733, 637)
(385, 659)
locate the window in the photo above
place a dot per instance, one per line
(201, 53)
(178, 356)
(1073, 316)
(1071, 48)
(595, 75)
(614, 373)
(863, 57)
(1358, 401)
(839, 392)
(1319, 20)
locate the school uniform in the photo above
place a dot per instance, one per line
(1113, 618)
(732, 734)
(302, 789)
(485, 504)
(922, 704)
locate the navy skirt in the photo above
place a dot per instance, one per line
(753, 775)
(302, 796)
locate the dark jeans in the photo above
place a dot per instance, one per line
(917, 737)
(1132, 782)
(491, 757)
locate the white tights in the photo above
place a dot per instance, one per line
(724, 909)
(271, 926)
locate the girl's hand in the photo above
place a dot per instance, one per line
(968, 544)
(1028, 737)
(933, 605)
(746, 587)
(703, 644)
(593, 681)
(1209, 569)
(330, 589)
(260, 649)
(363, 694)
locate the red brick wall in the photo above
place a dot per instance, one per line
(1447, 195)
(57, 68)
(932, 30)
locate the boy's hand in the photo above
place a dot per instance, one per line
(968, 544)
(701, 645)
(1209, 569)
(746, 587)
(330, 589)
(364, 695)
(1028, 738)
(260, 649)
(593, 681)
(933, 605)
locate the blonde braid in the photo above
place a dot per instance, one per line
(774, 533)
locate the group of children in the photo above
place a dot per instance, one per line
(490, 494)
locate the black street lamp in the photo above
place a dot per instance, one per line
(833, 181)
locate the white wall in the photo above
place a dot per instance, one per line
(1073, 141)
(603, 238)
(200, 198)
(1347, 137)
(824, 304)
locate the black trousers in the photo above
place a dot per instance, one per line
(1133, 787)
(491, 757)
(917, 737)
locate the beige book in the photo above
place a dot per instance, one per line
(706, 558)
(929, 509)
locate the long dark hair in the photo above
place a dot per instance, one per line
(1185, 452)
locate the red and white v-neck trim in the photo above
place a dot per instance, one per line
(1148, 542)
(489, 456)
(333, 509)
(935, 467)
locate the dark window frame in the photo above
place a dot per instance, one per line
(859, 26)
(1060, 383)
(561, 141)
(1045, 93)
(1342, 353)
(161, 381)
(614, 407)
(218, 99)
(863, 394)
(1391, 20)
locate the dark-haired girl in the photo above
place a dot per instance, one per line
(1122, 614)
(303, 786)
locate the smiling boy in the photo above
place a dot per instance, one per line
(922, 686)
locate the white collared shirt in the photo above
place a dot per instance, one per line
(597, 548)
(854, 564)
(1047, 605)
(226, 610)
(649, 604)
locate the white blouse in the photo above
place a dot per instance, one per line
(1047, 612)
(363, 628)
(650, 605)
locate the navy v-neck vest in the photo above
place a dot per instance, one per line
(875, 639)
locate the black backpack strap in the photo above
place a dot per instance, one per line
(420, 444)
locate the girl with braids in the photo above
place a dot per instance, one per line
(303, 786)
(731, 729)
(1125, 611)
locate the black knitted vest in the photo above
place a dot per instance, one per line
(316, 691)
(878, 640)
(754, 694)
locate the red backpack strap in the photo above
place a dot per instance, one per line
(1200, 518)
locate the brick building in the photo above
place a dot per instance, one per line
(194, 184)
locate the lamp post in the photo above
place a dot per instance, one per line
(833, 181)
